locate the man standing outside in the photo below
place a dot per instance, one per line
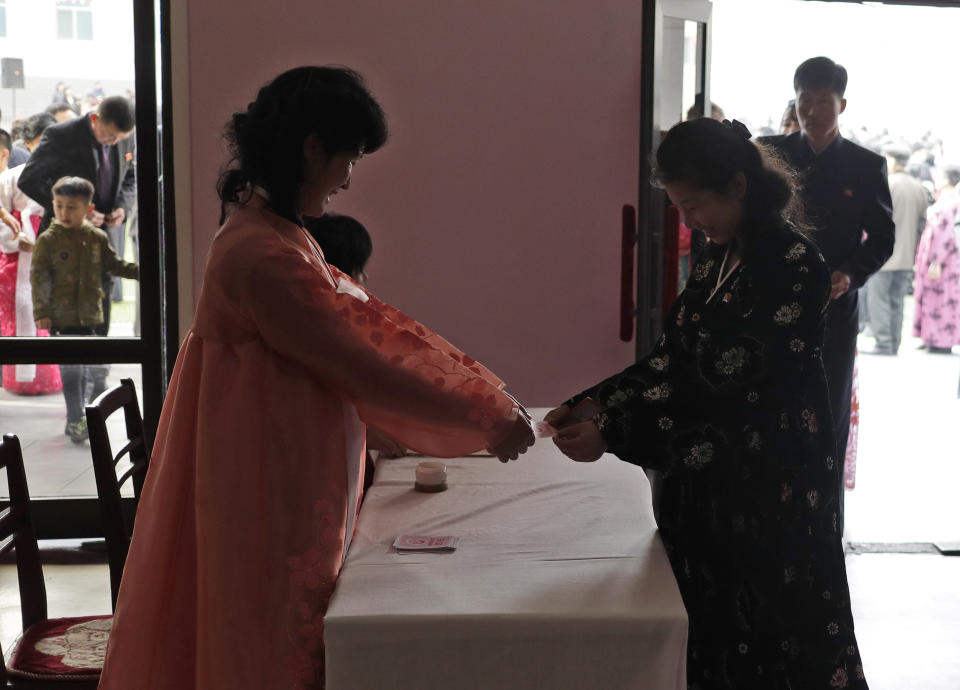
(888, 286)
(97, 147)
(847, 201)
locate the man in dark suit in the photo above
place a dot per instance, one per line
(847, 200)
(99, 148)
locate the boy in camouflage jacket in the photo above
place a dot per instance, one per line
(69, 261)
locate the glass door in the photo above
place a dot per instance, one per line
(675, 87)
(61, 48)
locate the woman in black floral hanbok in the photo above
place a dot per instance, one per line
(731, 409)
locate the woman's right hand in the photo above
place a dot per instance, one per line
(517, 441)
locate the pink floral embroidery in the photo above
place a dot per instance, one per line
(483, 410)
(306, 569)
(839, 679)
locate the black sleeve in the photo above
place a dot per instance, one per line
(127, 191)
(667, 401)
(878, 224)
(43, 169)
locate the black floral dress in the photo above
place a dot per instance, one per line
(731, 409)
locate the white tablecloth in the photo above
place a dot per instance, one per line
(560, 581)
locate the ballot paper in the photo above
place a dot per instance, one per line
(412, 543)
(544, 430)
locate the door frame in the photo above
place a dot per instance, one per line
(652, 201)
(156, 348)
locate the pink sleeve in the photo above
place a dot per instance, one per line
(434, 340)
(429, 398)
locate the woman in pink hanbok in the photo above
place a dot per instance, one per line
(936, 280)
(21, 217)
(251, 497)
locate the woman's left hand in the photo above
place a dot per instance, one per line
(581, 442)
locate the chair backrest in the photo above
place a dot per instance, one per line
(116, 528)
(17, 533)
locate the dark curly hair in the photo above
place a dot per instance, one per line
(708, 154)
(266, 140)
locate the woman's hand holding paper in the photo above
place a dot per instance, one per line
(517, 441)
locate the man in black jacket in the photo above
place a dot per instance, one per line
(847, 200)
(99, 148)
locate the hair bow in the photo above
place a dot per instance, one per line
(739, 128)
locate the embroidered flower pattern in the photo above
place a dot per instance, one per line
(660, 363)
(483, 410)
(796, 252)
(809, 419)
(661, 392)
(797, 345)
(788, 314)
(620, 396)
(797, 287)
(699, 455)
(813, 498)
(703, 270)
(665, 423)
(753, 396)
(832, 628)
(839, 679)
(732, 361)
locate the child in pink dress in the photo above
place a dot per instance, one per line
(252, 492)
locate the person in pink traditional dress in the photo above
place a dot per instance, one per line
(251, 497)
(936, 279)
(21, 217)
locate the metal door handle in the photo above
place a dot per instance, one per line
(627, 240)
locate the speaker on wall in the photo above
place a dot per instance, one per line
(11, 70)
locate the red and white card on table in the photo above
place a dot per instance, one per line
(407, 543)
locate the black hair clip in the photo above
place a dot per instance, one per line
(739, 128)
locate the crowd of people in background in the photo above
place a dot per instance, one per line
(67, 203)
(925, 195)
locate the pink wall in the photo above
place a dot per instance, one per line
(495, 206)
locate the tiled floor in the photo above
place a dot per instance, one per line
(906, 607)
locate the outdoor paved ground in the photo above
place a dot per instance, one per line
(907, 465)
(55, 466)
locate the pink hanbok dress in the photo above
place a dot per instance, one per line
(252, 492)
(936, 280)
(16, 295)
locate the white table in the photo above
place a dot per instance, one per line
(560, 581)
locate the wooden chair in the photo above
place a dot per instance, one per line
(117, 528)
(51, 653)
